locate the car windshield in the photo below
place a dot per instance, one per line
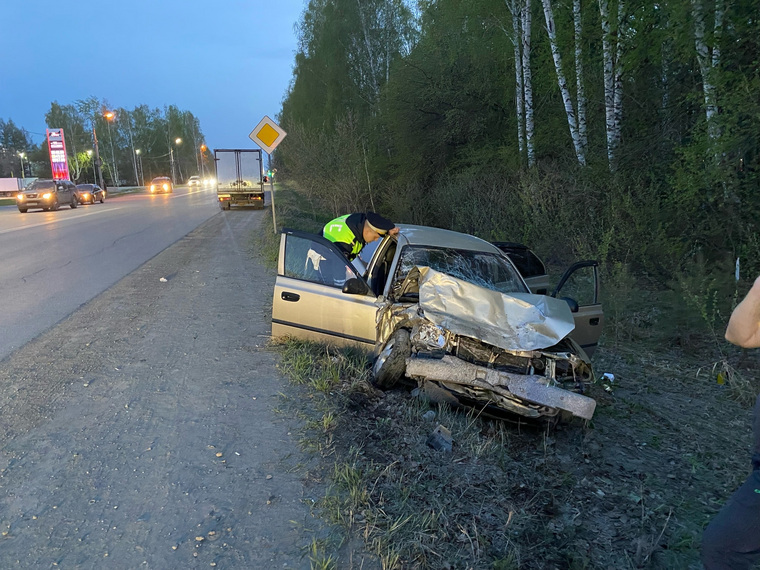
(480, 268)
(85, 186)
(40, 185)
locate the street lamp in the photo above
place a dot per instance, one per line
(21, 156)
(110, 115)
(94, 173)
(177, 141)
(139, 165)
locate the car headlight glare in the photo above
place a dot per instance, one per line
(20, 197)
(152, 187)
(166, 186)
(46, 196)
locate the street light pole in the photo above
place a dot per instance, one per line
(94, 172)
(21, 156)
(177, 141)
(109, 115)
(98, 163)
(139, 166)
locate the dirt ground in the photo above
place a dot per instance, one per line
(143, 430)
(632, 489)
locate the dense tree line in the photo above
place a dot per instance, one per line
(134, 145)
(622, 131)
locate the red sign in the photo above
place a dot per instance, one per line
(58, 161)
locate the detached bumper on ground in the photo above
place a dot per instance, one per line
(531, 388)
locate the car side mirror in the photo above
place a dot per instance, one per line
(355, 286)
(572, 303)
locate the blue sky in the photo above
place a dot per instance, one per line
(229, 62)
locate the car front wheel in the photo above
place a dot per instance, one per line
(22, 210)
(390, 365)
(73, 202)
(54, 206)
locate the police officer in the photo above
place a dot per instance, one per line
(732, 539)
(353, 231)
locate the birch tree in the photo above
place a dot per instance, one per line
(572, 120)
(708, 62)
(520, 37)
(613, 84)
(580, 76)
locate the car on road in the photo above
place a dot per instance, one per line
(161, 184)
(47, 195)
(90, 193)
(446, 310)
(581, 283)
(194, 181)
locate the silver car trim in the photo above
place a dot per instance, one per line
(323, 331)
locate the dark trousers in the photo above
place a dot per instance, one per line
(732, 539)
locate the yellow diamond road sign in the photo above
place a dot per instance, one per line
(267, 134)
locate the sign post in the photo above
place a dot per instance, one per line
(268, 134)
(59, 163)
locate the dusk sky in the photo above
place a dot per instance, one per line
(229, 62)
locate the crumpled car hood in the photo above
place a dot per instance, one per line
(517, 321)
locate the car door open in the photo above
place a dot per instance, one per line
(319, 295)
(580, 286)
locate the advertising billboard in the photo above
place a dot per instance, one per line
(57, 148)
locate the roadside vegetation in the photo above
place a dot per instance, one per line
(631, 489)
(628, 134)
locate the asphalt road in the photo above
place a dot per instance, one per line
(142, 430)
(53, 262)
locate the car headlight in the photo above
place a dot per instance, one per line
(46, 196)
(20, 197)
(152, 187)
(166, 186)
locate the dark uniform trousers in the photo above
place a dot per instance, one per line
(732, 539)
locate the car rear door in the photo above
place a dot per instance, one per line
(581, 284)
(309, 301)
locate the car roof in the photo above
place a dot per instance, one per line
(161, 178)
(195, 177)
(438, 237)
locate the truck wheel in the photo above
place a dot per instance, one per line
(390, 365)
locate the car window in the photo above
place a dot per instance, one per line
(581, 286)
(481, 268)
(42, 185)
(312, 260)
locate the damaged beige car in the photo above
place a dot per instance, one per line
(448, 311)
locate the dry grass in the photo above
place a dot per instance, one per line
(631, 490)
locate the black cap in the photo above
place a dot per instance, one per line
(378, 223)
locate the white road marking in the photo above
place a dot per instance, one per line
(47, 223)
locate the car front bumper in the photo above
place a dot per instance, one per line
(526, 387)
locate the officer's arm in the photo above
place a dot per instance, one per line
(744, 325)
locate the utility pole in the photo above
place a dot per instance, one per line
(98, 162)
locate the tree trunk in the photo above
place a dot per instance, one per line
(613, 83)
(579, 76)
(528, 82)
(519, 91)
(708, 62)
(562, 82)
